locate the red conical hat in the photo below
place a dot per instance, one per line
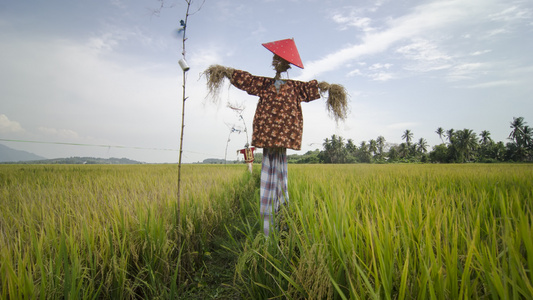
(286, 49)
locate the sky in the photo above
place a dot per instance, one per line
(102, 79)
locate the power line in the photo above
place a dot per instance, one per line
(104, 146)
(87, 145)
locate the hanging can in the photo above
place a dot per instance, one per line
(183, 64)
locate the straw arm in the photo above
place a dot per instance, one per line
(215, 76)
(337, 99)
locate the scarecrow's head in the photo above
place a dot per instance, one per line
(280, 65)
(285, 53)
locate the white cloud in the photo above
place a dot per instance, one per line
(355, 72)
(495, 32)
(205, 57)
(375, 72)
(382, 76)
(380, 66)
(512, 13)
(59, 133)
(105, 42)
(433, 16)
(481, 52)
(425, 56)
(361, 23)
(466, 71)
(8, 126)
(496, 83)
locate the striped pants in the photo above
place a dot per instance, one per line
(273, 189)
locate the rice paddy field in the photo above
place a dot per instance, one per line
(394, 231)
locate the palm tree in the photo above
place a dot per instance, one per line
(327, 150)
(440, 132)
(350, 147)
(380, 141)
(393, 153)
(403, 150)
(336, 150)
(485, 138)
(486, 146)
(528, 135)
(466, 144)
(407, 136)
(351, 151)
(521, 136)
(517, 125)
(450, 134)
(372, 147)
(363, 147)
(363, 153)
(422, 145)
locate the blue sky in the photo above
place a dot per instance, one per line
(106, 72)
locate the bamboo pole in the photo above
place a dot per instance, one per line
(184, 97)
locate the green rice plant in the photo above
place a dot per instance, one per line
(398, 232)
(111, 232)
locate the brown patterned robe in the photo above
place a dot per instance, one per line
(278, 120)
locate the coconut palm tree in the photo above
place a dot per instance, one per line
(350, 147)
(373, 147)
(522, 139)
(334, 149)
(403, 150)
(407, 136)
(363, 153)
(449, 134)
(440, 132)
(485, 137)
(517, 134)
(351, 151)
(466, 144)
(486, 145)
(363, 147)
(422, 145)
(528, 136)
(380, 141)
(393, 153)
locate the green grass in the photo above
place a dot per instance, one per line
(399, 232)
(111, 231)
(350, 232)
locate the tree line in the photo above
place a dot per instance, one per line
(458, 146)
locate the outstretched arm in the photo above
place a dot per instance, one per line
(337, 101)
(242, 80)
(215, 75)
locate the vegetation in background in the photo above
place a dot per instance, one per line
(460, 146)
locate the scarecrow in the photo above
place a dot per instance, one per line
(248, 153)
(278, 120)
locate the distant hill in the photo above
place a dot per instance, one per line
(218, 161)
(11, 155)
(82, 161)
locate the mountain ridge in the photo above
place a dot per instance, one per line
(8, 154)
(12, 156)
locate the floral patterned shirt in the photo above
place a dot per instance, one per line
(278, 120)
